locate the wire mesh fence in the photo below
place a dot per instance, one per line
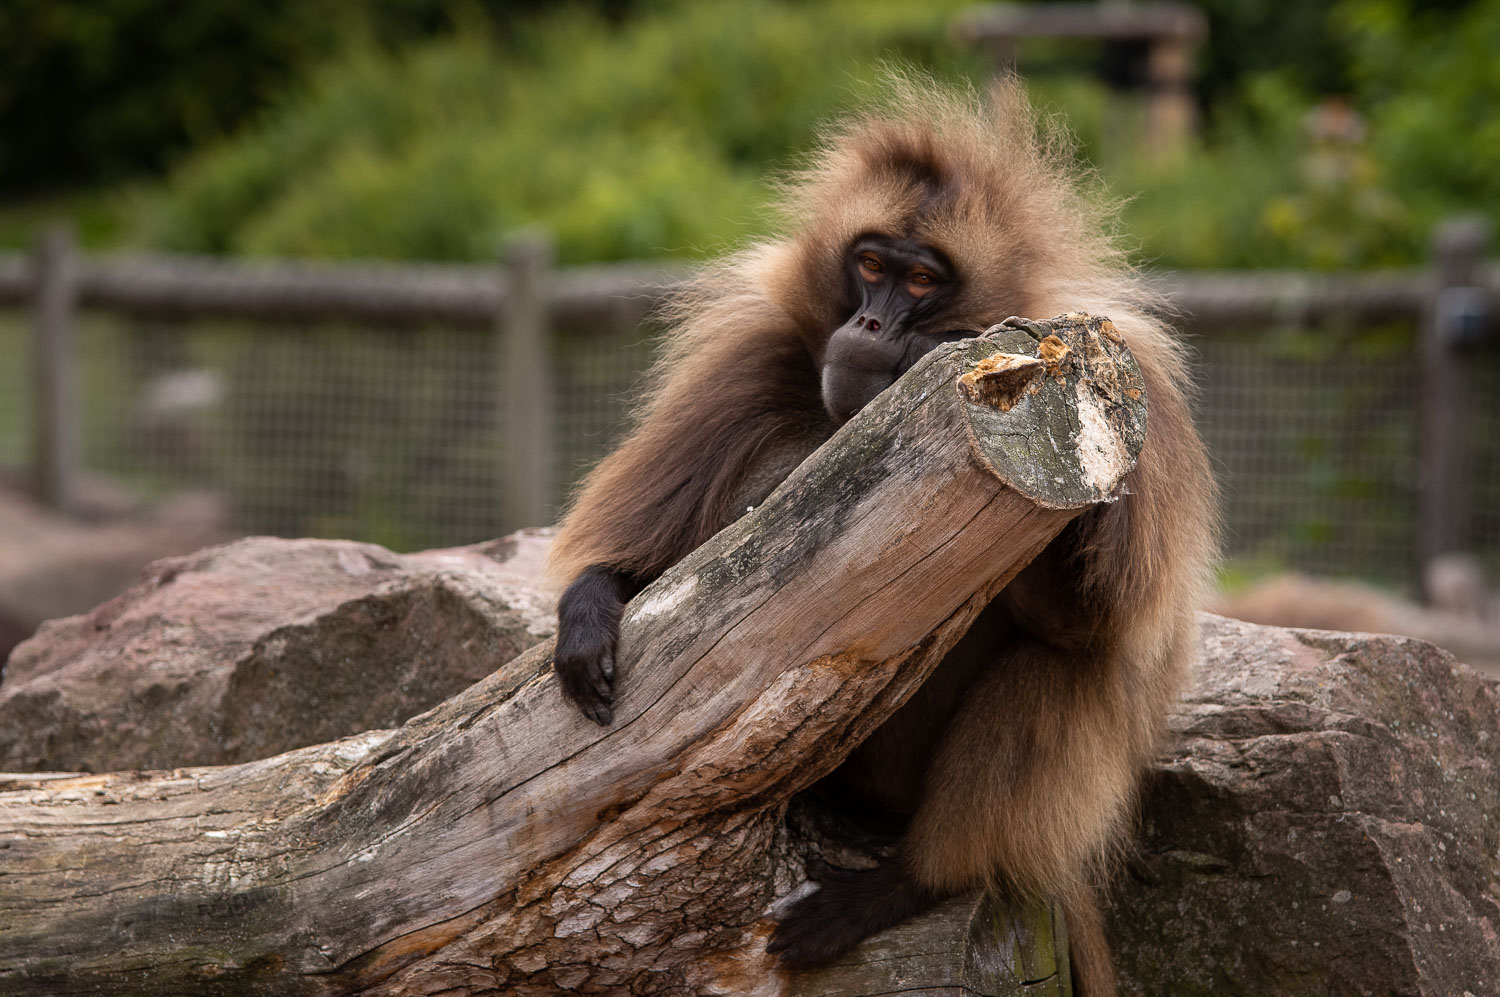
(399, 435)
(395, 436)
(1316, 451)
(1484, 469)
(374, 434)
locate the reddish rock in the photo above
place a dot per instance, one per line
(1327, 822)
(255, 647)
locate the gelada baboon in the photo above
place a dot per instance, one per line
(924, 221)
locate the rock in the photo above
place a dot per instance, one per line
(255, 647)
(1327, 822)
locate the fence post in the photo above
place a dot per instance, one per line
(54, 386)
(526, 381)
(1455, 317)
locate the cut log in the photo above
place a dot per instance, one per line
(502, 843)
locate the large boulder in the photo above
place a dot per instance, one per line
(255, 647)
(1326, 822)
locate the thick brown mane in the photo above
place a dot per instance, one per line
(1083, 653)
(987, 183)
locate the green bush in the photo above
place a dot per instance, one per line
(652, 136)
(1260, 191)
(641, 139)
(1429, 77)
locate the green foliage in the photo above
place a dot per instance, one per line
(93, 89)
(627, 141)
(652, 134)
(1263, 191)
(1431, 83)
(134, 79)
(1248, 39)
(1273, 183)
(1273, 188)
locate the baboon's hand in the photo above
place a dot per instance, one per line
(588, 629)
(585, 665)
(849, 906)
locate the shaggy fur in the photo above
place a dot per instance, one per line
(1017, 765)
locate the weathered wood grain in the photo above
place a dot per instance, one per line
(501, 843)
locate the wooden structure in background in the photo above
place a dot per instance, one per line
(1457, 318)
(54, 425)
(1169, 32)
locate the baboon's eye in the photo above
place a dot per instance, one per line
(920, 282)
(870, 267)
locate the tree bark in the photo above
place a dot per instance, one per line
(502, 843)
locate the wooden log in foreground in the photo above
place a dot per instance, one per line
(501, 843)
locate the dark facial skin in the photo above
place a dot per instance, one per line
(898, 292)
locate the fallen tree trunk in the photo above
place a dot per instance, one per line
(503, 843)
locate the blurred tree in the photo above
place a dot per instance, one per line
(94, 89)
(427, 128)
(1273, 187)
(1247, 38)
(1428, 77)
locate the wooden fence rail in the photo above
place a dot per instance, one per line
(473, 294)
(522, 295)
(457, 294)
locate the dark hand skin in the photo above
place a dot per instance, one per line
(849, 906)
(588, 627)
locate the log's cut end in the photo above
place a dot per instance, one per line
(1068, 439)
